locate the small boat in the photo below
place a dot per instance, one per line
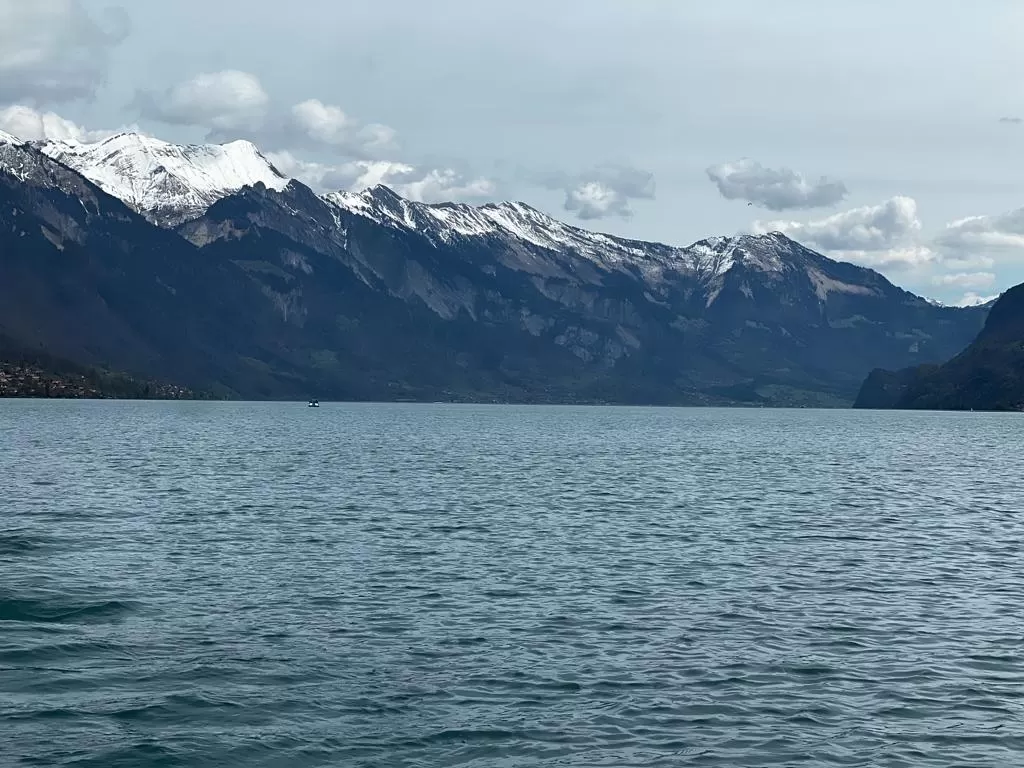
(314, 403)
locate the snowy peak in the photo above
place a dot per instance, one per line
(169, 183)
(516, 224)
(6, 138)
(766, 253)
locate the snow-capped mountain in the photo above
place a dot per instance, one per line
(168, 183)
(6, 138)
(522, 229)
(518, 223)
(237, 276)
(171, 184)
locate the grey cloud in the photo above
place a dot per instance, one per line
(971, 237)
(602, 192)
(1011, 120)
(54, 51)
(775, 189)
(880, 227)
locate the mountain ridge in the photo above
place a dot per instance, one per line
(372, 295)
(166, 182)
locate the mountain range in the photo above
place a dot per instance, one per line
(205, 266)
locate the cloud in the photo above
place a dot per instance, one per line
(890, 226)
(999, 233)
(428, 185)
(346, 151)
(966, 280)
(775, 189)
(442, 185)
(53, 51)
(905, 259)
(32, 125)
(232, 104)
(888, 236)
(227, 102)
(329, 126)
(1011, 120)
(601, 192)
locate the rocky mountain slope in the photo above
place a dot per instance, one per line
(988, 375)
(255, 286)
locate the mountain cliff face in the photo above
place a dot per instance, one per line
(254, 284)
(988, 375)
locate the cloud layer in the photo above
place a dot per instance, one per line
(53, 51)
(986, 234)
(882, 227)
(426, 185)
(965, 280)
(33, 125)
(775, 189)
(889, 236)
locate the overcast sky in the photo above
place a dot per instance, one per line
(890, 133)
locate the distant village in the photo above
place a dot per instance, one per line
(22, 380)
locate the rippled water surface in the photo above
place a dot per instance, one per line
(394, 585)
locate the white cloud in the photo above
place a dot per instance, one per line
(891, 226)
(596, 200)
(225, 101)
(775, 189)
(603, 191)
(32, 125)
(330, 126)
(1000, 233)
(903, 259)
(429, 185)
(54, 50)
(966, 279)
(444, 184)
(889, 237)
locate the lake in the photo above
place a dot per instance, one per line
(236, 584)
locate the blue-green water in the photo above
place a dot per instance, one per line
(372, 585)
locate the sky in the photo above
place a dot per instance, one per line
(890, 134)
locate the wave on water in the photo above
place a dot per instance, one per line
(61, 610)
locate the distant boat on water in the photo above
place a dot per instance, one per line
(314, 403)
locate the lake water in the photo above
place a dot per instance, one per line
(231, 584)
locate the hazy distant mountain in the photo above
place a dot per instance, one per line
(988, 375)
(263, 288)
